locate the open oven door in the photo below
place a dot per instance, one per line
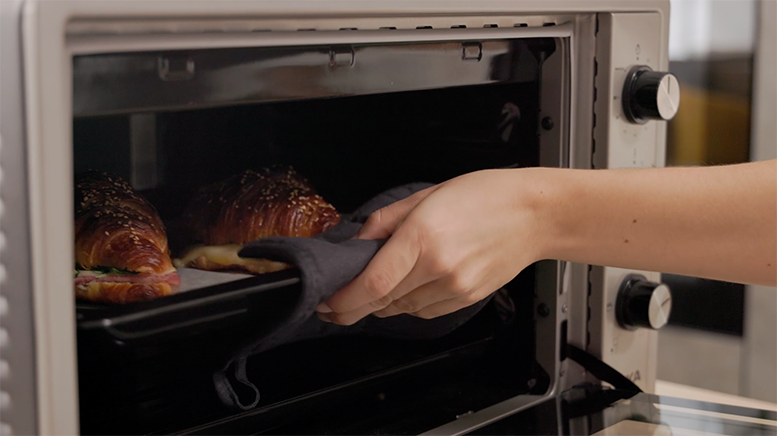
(592, 410)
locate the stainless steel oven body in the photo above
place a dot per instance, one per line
(598, 42)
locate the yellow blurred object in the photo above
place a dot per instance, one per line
(710, 127)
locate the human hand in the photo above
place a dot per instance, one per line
(450, 246)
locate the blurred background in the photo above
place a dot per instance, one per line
(722, 336)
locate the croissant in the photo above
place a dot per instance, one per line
(121, 250)
(249, 206)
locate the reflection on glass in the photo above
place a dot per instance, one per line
(638, 428)
(652, 415)
(591, 410)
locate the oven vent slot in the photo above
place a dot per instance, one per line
(125, 27)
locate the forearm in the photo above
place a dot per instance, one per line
(713, 222)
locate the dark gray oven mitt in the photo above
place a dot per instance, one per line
(327, 263)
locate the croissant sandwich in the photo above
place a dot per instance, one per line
(121, 245)
(249, 206)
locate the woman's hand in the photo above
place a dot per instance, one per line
(450, 246)
(455, 243)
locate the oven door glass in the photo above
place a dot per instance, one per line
(596, 411)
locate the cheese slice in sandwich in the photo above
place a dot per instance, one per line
(225, 258)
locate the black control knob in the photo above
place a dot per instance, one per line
(641, 303)
(650, 95)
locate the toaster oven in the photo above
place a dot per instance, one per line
(360, 97)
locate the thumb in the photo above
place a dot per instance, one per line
(383, 222)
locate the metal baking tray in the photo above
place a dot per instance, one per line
(205, 299)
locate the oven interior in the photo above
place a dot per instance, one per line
(148, 367)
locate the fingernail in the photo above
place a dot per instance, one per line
(324, 317)
(323, 308)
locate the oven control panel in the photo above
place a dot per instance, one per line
(634, 98)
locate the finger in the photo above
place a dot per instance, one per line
(353, 316)
(383, 222)
(412, 281)
(385, 271)
(448, 306)
(417, 299)
(419, 278)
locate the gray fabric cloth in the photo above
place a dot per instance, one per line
(327, 263)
